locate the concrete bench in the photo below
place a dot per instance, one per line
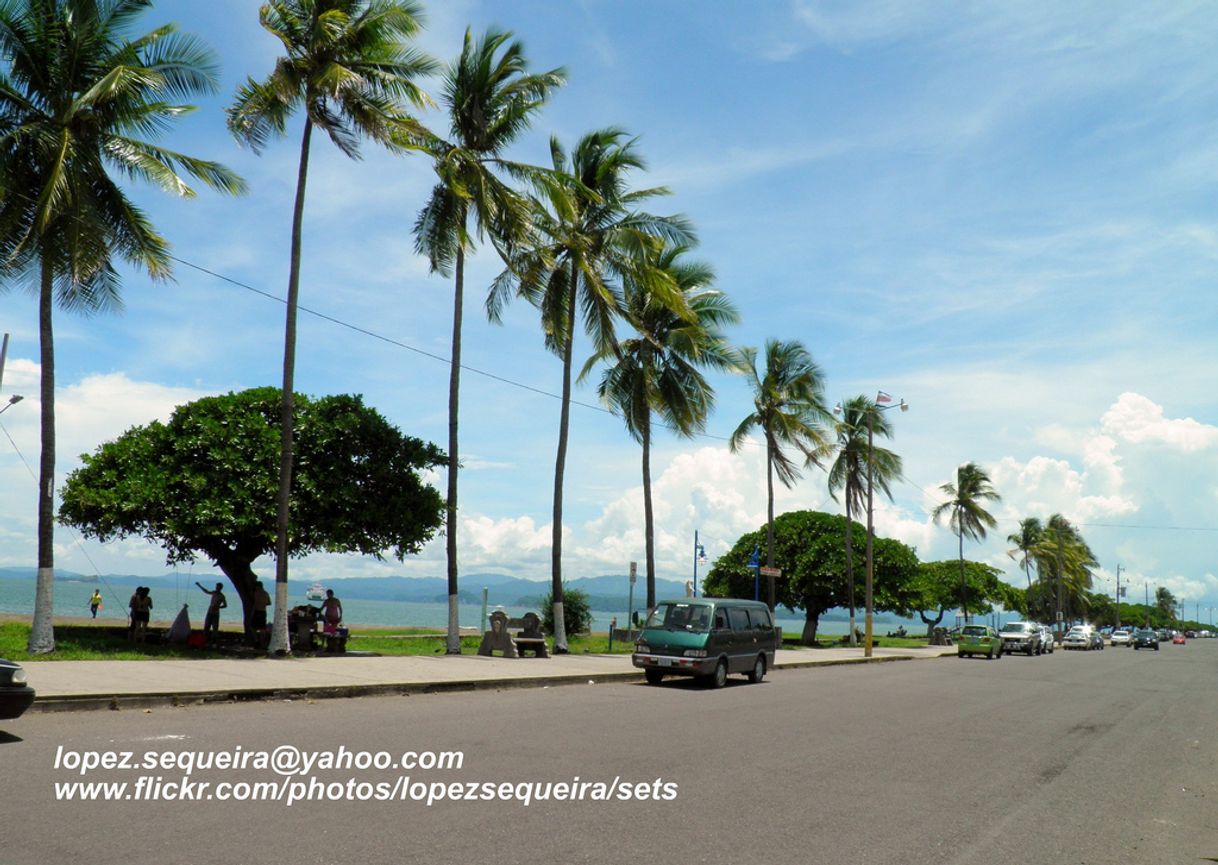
(500, 639)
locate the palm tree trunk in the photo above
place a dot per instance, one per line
(453, 644)
(42, 631)
(279, 633)
(850, 567)
(769, 489)
(560, 464)
(963, 590)
(648, 514)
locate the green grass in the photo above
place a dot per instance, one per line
(89, 643)
(792, 642)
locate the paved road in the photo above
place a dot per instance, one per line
(1101, 757)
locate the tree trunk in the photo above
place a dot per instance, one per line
(453, 644)
(963, 588)
(648, 513)
(769, 489)
(930, 623)
(850, 567)
(560, 464)
(240, 573)
(279, 633)
(42, 631)
(811, 623)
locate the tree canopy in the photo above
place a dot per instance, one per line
(810, 547)
(206, 482)
(936, 590)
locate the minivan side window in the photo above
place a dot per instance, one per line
(761, 619)
(739, 619)
(720, 620)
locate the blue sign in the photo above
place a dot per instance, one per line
(755, 559)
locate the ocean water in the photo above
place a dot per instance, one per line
(72, 599)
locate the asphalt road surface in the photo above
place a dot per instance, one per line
(1091, 757)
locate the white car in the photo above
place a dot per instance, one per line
(1046, 639)
(1121, 637)
(1078, 637)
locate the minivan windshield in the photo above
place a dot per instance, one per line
(680, 617)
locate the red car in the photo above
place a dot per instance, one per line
(1178, 640)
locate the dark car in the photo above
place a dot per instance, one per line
(15, 695)
(1144, 638)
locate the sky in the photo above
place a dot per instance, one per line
(1003, 213)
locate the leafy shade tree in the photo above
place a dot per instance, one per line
(207, 480)
(490, 99)
(79, 97)
(657, 372)
(576, 608)
(1023, 544)
(347, 65)
(936, 590)
(848, 473)
(968, 516)
(586, 237)
(809, 547)
(789, 410)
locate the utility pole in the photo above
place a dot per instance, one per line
(1118, 598)
(3, 355)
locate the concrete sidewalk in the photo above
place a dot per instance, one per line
(77, 685)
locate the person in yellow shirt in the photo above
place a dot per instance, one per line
(95, 602)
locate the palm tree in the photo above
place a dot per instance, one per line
(969, 518)
(490, 100)
(347, 64)
(789, 409)
(587, 234)
(657, 372)
(77, 101)
(848, 474)
(1024, 542)
(1063, 556)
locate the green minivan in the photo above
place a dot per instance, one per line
(708, 638)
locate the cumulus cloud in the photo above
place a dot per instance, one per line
(1138, 420)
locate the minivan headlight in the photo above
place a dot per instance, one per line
(695, 653)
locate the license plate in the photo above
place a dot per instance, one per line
(665, 662)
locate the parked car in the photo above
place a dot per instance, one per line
(1046, 639)
(1164, 635)
(707, 638)
(1020, 637)
(15, 693)
(1145, 638)
(1097, 641)
(979, 640)
(1178, 639)
(1078, 637)
(1122, 637)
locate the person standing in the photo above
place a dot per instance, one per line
(95, 603)
(211, 622)
(261, 601)
(331, 609)
(141, 612)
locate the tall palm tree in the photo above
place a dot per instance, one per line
(657, 372)
(1024, 543)
(1063, 557)
(848, 474)
(968, 516)
(77, 101)
(346, 63)
(490, 99)
(789, 409)
(587, 236)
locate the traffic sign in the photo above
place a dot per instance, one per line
(771, 572)
(634, 572)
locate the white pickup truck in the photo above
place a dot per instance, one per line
(1021, 637)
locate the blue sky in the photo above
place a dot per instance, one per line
(1004, 213)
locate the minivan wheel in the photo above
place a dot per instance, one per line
(654, 677)
(719, 678)
(758, 670)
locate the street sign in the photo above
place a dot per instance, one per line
(771, 572)
(634, 572)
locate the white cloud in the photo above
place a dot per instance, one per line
(1137, 420)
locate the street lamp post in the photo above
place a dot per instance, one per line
(880, 398)
(699, 558)
(12, 401)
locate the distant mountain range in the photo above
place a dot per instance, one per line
(604, 593)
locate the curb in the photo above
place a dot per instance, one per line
(116, 702)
